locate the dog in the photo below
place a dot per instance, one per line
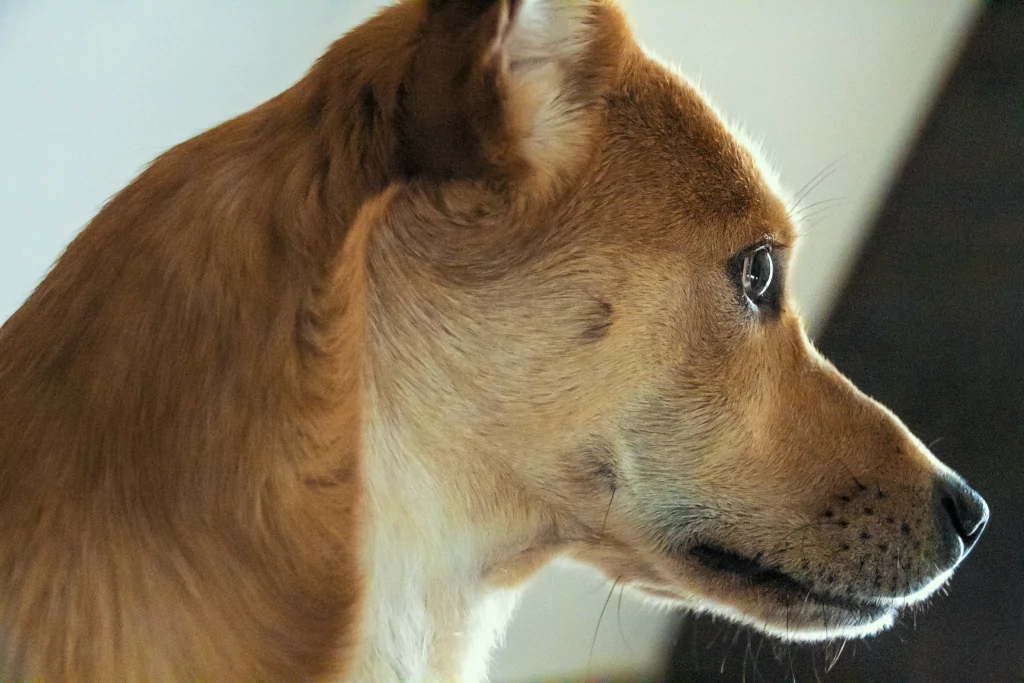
(316, 394)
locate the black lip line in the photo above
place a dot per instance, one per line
(751, 569)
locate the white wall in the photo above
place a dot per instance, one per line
(91, 91)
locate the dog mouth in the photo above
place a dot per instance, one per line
(782, 587)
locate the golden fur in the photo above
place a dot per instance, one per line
(314, 394)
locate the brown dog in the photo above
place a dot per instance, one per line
(320, 389)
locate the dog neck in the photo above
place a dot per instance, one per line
(432, 612)
(451, 529)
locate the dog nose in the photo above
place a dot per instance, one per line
(960, 515)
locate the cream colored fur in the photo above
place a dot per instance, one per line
(434, 618)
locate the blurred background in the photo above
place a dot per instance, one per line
(903, 121)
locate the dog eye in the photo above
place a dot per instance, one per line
(758, 274)
(757, 277)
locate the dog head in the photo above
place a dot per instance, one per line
(579, 314)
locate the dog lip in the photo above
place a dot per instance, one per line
(755, 572)
(719, 559)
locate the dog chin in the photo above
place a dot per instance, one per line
(810, 623)
(770, 601)
(793, 620)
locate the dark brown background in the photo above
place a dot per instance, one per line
(932, 324)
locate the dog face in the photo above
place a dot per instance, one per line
(607, 346)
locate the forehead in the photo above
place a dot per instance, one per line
(676, 153)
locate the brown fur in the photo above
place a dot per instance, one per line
(184, 396)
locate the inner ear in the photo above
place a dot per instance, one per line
(452, 101)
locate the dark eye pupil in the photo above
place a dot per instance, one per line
(758, 270)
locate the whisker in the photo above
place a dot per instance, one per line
(611, 500)
(811, 222)
(597, 629)
(802, 210)
(757, 655)
(779, 547)
(618, 619)
(818, 178)
(852, 475)
(746, 655)
(728, 650)
(835, 659)
(789, 654)
(714, 638)
(820, 211)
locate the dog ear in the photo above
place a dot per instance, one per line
(454, 119)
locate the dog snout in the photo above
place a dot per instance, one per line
(960, 517)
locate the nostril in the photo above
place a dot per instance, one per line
(965, 513)
(958, 521)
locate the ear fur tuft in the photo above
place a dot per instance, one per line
(489, 89)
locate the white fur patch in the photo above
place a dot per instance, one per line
(428, 619)
(547, 30)
(489, 618)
